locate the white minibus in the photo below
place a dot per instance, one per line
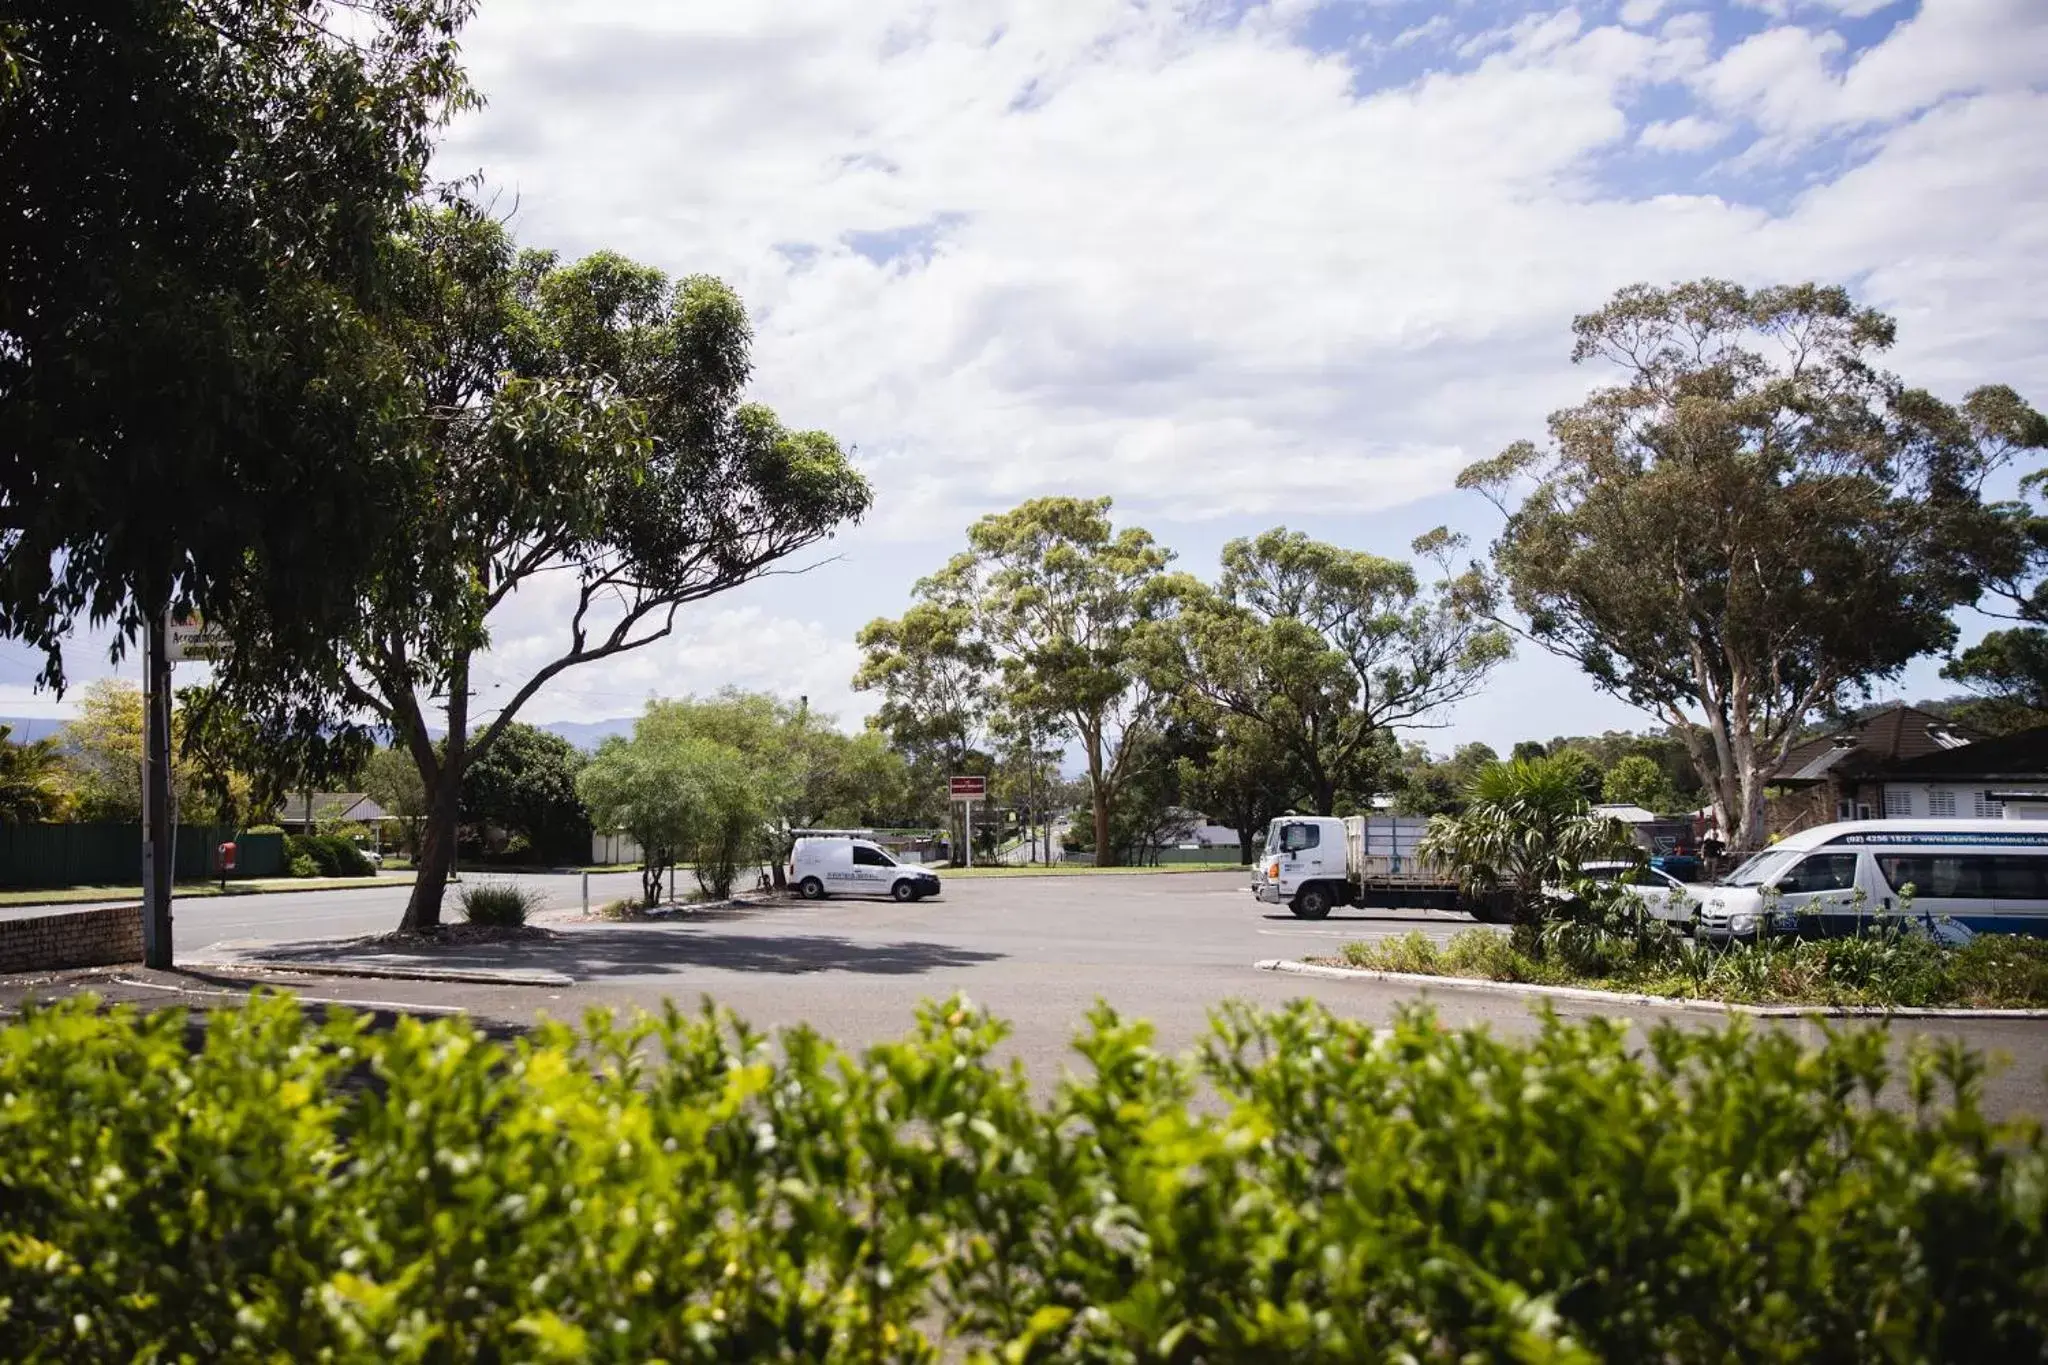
(1972, 876)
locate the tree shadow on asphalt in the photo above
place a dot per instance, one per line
(594, 954)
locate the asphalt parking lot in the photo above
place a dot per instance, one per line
(1040, 951)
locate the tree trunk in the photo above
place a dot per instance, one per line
(652, 865)
(442, 779)
(1098, 794)
(1326, 796)
(436, 856)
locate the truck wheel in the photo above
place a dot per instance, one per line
(1312, 902)
(812, 889)
(904, 891)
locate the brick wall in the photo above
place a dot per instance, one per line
(80, 938)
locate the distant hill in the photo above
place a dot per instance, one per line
(588, 734)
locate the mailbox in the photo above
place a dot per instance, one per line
(227, 856)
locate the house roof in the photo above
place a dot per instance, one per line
(1894, 735)
(2022, 754)
(333, 807)
(1625, 812)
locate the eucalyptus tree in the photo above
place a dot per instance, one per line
(199, 405)
(1754, 523)
(1039, 621)
(1324, 651)
(585, 430)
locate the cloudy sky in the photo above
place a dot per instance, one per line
(1237, 264)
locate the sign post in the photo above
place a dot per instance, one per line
(966, 791)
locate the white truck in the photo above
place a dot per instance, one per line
(1315, 863)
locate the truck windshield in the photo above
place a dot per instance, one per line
(1762, 868)
(1273, 837)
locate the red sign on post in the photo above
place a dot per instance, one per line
(969, 788)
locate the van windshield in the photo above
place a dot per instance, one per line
(1764, 867)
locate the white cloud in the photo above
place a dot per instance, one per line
(1795, 83)
(1689, 133)
(1640, 12)
(1146, 251)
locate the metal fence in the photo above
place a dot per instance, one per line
(111, 854)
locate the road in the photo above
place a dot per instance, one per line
(1040, 951)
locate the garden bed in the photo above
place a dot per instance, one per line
(1994, 971)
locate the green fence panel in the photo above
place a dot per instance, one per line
(259, 855)
(40, 856)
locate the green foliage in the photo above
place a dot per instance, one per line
(1754, 522)
(264, 829)
(32, 788)
(937, 679)
(325, 855)
(1525, 828)
(1884, 965)
(1323, 650)
(683, 1189)
(196, 398)
(499, 903)
(525, 785)
(2007, 665)
(686, 796)
(588, 420)
(1054, 596)
(392, 779)
(1639, 780)
(1430, 786)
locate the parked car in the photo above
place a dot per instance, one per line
(1666, 897)
(821, 867)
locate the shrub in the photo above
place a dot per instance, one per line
(1412, 952)
(2001, 967)
(302, 865)
(1483, 953)
(683, 1189)
(264, 829)
(499, 903)
(330, 855)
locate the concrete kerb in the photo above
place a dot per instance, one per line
(1587, 995)
(471, 976)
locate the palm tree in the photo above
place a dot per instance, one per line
(1526, 826)
(31, 781)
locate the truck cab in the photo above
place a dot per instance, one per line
(1304, 865)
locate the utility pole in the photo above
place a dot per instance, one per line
(157, 832)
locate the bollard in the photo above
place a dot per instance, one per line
(586, 895)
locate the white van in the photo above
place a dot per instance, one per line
(821, 867)
(1979, 876)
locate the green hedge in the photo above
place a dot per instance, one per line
(331, 855)
(682, 1190)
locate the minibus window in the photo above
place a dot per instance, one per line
(1762, 868)
(1822, 872)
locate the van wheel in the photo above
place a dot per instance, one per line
(904, 891)
(812, 889)
(1313, 902)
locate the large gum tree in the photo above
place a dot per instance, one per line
(1753, 523)
(1321, 652)
(585, 427)
(199, 402)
